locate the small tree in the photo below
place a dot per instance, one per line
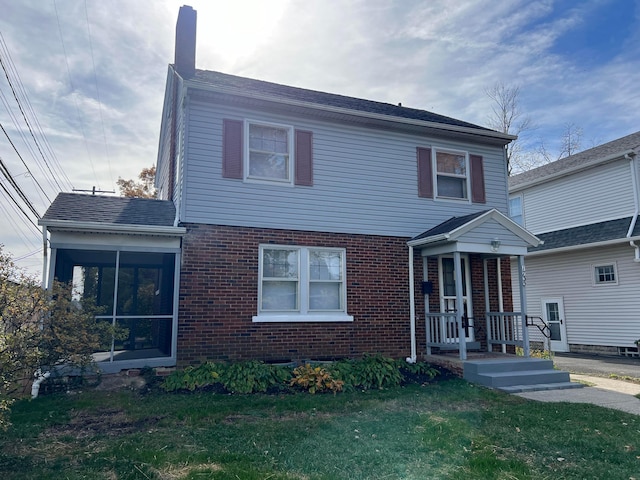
(40, 330)
(144, 188)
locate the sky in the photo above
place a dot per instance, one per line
(90, 75)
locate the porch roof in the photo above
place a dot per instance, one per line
(97, 213)
(489, 232)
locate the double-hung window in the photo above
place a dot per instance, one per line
(269, 152)
(451, 174)
(301, 284)
(605, 274)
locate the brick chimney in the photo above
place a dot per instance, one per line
(185, 53)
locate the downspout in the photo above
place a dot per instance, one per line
(636, 199)
(412, 309)
(44, 257)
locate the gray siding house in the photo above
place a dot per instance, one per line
(584, 281)
(306, 225)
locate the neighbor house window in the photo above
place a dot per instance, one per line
(605, 274)
(301, 284)
(269, 152)
(515, 210)
(451, 174)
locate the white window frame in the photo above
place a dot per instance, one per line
(290, 146)
(511, 216)
(303, 313)
(466, 176)
(596, 274)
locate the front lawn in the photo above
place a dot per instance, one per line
(445, 430)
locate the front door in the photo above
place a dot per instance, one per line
(553, 315)
(447, 274)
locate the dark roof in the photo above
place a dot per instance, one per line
(111, 210)
(259, 87)
(621, 145)
(449, 225)
(586, 234)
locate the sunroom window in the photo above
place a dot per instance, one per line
(451, 174)
(269, 149)
(301, 284)
(134, 292)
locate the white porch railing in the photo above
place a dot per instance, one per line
(504, 328)
(442, 331)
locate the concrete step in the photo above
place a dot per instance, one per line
(506, 365)
(520, 377)
(540, 387)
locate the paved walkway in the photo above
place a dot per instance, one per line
(605, 392)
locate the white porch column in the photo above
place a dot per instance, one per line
(460, 306)
(523, 305)
(412, 308)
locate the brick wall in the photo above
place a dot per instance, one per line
(219, 296)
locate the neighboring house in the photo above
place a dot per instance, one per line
(307, 225)
(584, 281)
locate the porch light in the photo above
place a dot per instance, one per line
(495, 245)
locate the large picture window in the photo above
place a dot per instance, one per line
(301, 284)
(269, 150)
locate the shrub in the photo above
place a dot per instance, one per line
(421, 370)
(370, 371)
(315, 379)
(192, 377)
(253, 376)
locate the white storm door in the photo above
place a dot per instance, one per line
(553, 315)
(447, 274)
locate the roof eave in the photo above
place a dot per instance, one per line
(504, 138)
(97, 227)
(569, 248)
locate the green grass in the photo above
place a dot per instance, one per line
(446, 430)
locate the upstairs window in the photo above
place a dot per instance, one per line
(268, 150)
(515, 210)
(266, 153)
(451, 174)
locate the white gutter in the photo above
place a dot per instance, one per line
(636, 199)
(40, 377)
(346, 111)
(115, 228)
(412, 309)
(44, 257)
(604, 243)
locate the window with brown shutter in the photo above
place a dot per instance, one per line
(476, 166)
(303, 158)
(425, 172)
(232, 139)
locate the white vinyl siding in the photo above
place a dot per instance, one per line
(595, 195)
(364, 180)
(608, 316)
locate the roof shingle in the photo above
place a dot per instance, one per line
(110, 210)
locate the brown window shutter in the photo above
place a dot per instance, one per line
(425, 173)
(232, 148)
(303, 158)
(477, 179)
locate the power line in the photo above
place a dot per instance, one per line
(6, 73)
(95, 80)
(16, 187)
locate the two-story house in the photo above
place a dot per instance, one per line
(295, 224)
(584, 280)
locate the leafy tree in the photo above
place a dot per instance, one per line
(144, 188)
(41, 329)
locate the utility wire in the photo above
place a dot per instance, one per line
(24, 163)
(17, 204)
(75, 99)
(95, 79)
(5, 171)
(2, 64)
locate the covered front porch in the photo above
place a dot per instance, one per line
(465, 289)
